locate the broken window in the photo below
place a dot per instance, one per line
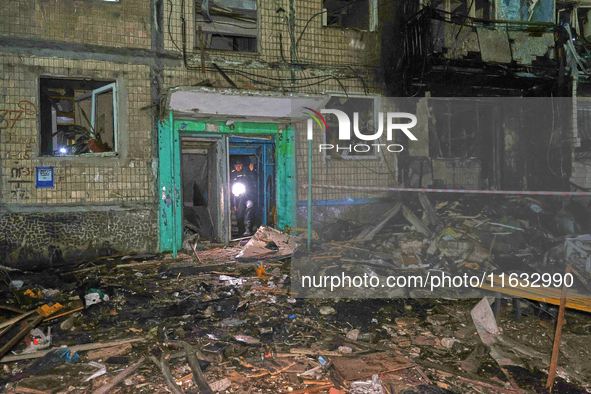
(360, 14)
(526, 10)
(77, 116)
(479, 9)
(354, 148)
(229, 25)
(584, 127)
(454, 129)
(506, 10)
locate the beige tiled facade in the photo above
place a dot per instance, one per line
(77, 179)
(118, 41)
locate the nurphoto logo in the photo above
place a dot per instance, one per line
(345, 130)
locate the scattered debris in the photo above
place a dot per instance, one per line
(229, 320)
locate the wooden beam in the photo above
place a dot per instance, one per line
(32, 324)
(559, 323)
(78, 348)
(577, 301)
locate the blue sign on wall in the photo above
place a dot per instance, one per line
(44, 177)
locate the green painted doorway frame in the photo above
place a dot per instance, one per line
(170, 234)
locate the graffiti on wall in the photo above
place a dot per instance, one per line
(9, 118)
(19, 185)
(20, 180)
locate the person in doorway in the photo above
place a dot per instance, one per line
(242, 187)
(253, 218)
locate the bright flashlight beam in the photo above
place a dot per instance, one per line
(238, 189)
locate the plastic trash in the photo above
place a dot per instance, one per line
(67, 356)
(102, 369)
(16, 284)
(37, 340)
(95, 296)
(373, 386)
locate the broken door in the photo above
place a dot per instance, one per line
(203, 173)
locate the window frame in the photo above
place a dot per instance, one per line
(92, 94)
(372, 13)
(377, 102)
(199, 24)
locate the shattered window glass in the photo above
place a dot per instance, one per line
(455, 128)
(77, 116)
(355, 147)
(229, 25)
(526, 10)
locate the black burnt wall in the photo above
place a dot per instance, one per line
(37, 240)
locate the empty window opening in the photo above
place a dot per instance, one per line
(347, 13)
(229, 25)
(355, 148)
(479, 9)
(77, 116)
(584, 128)
(526, 10)
(454, 129)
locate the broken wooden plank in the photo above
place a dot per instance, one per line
(63, 314)
(77, 348)
(12, 309)
(389, 215)
(134, 265)
(168, 378)
(119, 378)
(28, 390)
(195, 368)
(584, 281)
(32, 324)
(5, 330)
(557, 335)
(549, 295)
(465, 376)
(313, 389)
(415, 221)
(429, 212)
(302, 351)
(16, 319)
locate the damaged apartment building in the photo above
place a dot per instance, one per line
(504, 85)
(233, 190)
(121, 118)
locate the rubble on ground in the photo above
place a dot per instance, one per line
(210, 321)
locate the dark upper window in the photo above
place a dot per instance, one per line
(359, 14)
(354, 148)
(77, 116)
(506, 10)
(230, 25)
(460, 128)
(584, 127)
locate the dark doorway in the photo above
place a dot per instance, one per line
(200, 166)
(252, 178)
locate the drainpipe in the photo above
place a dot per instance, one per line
(309, 193)
(292, 48)
(173, 186)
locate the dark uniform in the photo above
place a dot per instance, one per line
(253, 218)
(239, 174)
